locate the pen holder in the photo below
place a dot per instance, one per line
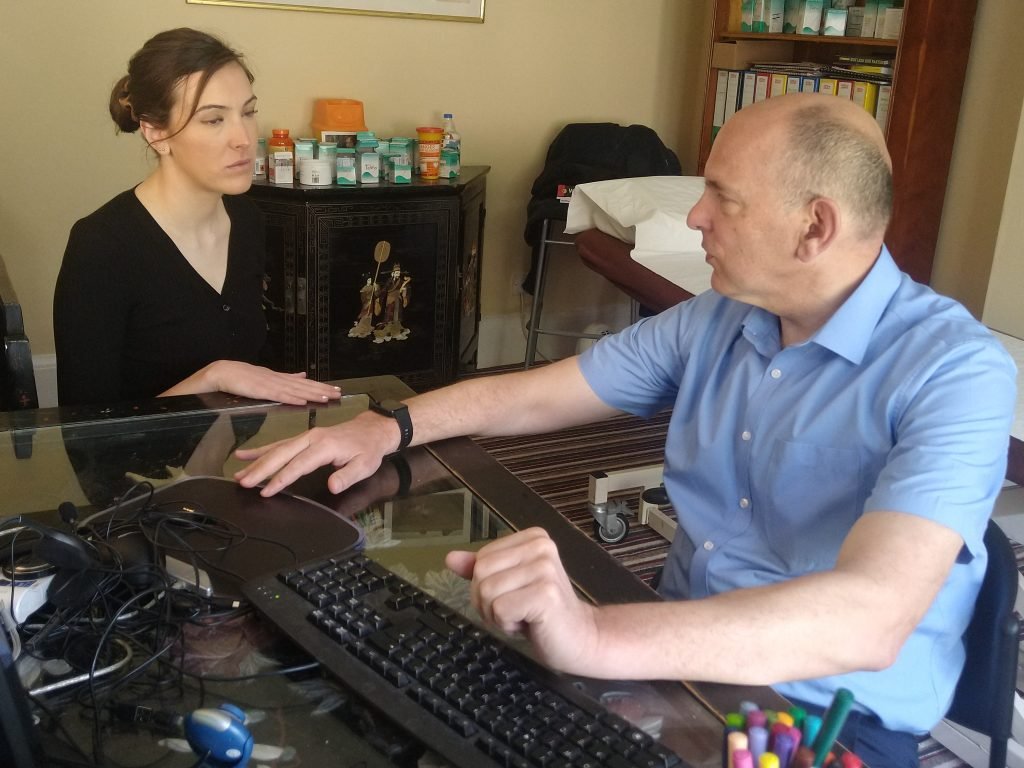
(765, 738)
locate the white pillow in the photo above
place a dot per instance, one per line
(649, 212)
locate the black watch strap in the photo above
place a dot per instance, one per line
(398, 411)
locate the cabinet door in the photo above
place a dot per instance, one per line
(380, 290)
(284, 294)
(468, 277)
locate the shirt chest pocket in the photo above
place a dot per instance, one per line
(813, 497)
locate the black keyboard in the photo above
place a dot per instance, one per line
(452, 685)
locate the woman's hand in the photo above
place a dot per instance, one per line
(256, 382)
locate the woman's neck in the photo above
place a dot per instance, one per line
(177, 203)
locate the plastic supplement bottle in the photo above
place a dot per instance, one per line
(259, 167)
(281, 142)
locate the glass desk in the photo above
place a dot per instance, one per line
(413, 510)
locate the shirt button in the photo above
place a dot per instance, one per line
(745, 435)
(709, 545)
(776, 373)
(227, 307)
(744, 503)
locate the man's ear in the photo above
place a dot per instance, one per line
(822, 226)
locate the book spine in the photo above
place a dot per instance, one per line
(720, 95)
(882, 106)
(749, 86)
(827, 85)
(809, 84)
(793, 84)
(844, 89)
(732, 94)
(865, 94)
(761, 86)
(777, 86)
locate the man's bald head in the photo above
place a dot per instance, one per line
(826, 146)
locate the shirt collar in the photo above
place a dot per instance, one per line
(848, 332)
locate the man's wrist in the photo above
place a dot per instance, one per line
(399, 412)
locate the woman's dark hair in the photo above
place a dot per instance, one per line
(167, 59)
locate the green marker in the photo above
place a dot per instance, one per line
(835, 717)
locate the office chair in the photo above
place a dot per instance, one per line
(17, 378)
(984, 700)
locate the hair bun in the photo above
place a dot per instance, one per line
(121, 107)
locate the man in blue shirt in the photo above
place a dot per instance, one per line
(837, 442)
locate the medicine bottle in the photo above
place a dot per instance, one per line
(367, 159)
(345, 167)
(281, 142)
(430, 150)
(259, 164)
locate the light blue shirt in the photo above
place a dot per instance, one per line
(901, 402)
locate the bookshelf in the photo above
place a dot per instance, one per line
(930, 64)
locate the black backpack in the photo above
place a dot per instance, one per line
(583, 152)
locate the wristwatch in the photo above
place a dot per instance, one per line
(400, 413)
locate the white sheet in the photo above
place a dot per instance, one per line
(649, 212)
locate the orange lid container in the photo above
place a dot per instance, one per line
(337, 115)
(429, 133)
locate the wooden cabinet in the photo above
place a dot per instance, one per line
(372, 280)
(930, 65)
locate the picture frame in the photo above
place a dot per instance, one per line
(436, 10)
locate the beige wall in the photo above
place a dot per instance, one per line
(512, 82)
(990, 115)
(1003, 301)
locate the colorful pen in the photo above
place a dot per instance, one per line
(736, 741)
(784, 748)
(835, 718)
(804, 758)
(758, 737)
(812, 724)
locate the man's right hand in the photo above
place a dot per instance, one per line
(356, 448)
(519, 585)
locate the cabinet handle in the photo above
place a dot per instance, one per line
(300, 295)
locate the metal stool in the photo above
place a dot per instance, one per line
(534, 328)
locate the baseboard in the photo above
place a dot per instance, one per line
(503, 337)
(45, 369)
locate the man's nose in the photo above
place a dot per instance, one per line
(697, 218)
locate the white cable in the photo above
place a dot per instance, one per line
(86, 675)
(11, 628)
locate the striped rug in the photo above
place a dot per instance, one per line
(557, 467)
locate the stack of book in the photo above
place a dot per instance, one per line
(865, 80)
